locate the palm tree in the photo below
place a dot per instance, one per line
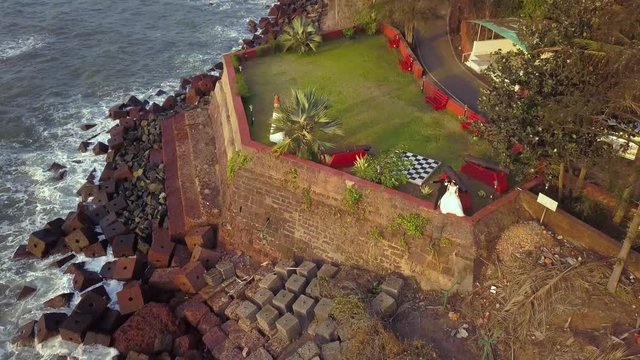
(303, 121)
(300, 36)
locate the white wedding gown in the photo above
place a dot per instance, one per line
(450, 202)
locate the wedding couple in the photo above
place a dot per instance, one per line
(448, 199)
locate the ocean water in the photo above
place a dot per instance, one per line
(62, 64)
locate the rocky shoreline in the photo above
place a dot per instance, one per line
(123, 213)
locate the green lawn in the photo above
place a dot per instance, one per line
(377, 103)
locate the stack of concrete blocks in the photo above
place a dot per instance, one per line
(386, 303)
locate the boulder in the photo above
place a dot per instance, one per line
(140, 332)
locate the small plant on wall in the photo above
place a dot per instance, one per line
(237, 161)
(348, 32)
(411, 226)
(376, 235)
(352, 199)
(306, 198)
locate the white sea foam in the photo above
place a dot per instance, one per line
(21, 45)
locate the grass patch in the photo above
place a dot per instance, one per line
(377, 103)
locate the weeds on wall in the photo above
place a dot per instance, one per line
(410, 225)
(348, 32)
(352, 199)
(290, 178)
(376, 235)
(306, 198)
(237, 161)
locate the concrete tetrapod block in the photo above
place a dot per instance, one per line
(326, 331)
(25, 335)
(392, 286)
(262, 297)
(260, 354)
(323, 309)
(227, 268)
(384, 305)
(213, 277)
(267, 318)
(75, 327)
(313, 289)
(327, 271)
(303, 310)
(209, 258)
(124, 245)
(131, 298)
(283, 301)
(203, 236)
(271, 282)
(191, 278)
(48, 325)
(96, 338)
(307, 269)
(288, 326)
(160, 252)
(296, 284)
(331, 351)
(308, 350)
(247, 311)
(285, 268)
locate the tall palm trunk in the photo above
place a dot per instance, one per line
(561, 181)
(581, 177)
(621, 209)
(408, 31)
(632, 231)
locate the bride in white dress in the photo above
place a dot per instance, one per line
(450, 202)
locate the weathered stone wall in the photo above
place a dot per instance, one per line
(339, 14)
(284, 206)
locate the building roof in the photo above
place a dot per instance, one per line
(507, 28)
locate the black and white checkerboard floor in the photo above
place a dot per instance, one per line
(421, 169)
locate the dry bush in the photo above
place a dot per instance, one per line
(536, 294)
(368, 339)
(611, 351)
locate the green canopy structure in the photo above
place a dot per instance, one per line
(507, 28)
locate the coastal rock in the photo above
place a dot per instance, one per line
(184, 84)
(59, 301)
(59, 175)
(134, 102)
(169, 103)
(55, 166)
(84, 146)
(161, 92)
(85, 127)
(26, 292)
(140, 332)
(252, 26)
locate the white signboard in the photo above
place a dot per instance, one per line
(547, 202)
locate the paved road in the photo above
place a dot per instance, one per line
(435, 53)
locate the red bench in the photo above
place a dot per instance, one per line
(438, 99)
(346, 157)
(406, 63)
(394, 42)
(487, 172)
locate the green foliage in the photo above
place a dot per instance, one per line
(300, 36)
(369, 20)
(306, 198)
(426, 190)
(411, 226)
(447, 293)
(376, 235)
(388, 168)
(376, 289)
(291, 178)
(348, 32)
(242, 89)
(487, 342)
(352, 198)
(237, 161)
(304, 120)
(235, 61)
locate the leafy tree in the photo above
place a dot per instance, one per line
(301, 36)
(407, 13)
(304, 121)
(388, 168)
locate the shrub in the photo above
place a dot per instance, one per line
(235, 61)
(388, 168)
(242, 89)
(300, 36)
(348, 32)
